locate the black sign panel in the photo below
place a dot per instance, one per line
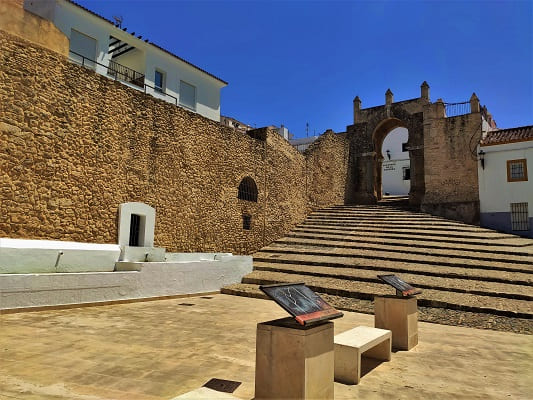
(402, 287)
(302, 303)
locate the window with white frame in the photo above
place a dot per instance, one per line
(187, 95)
(159, 81)
(519, 217)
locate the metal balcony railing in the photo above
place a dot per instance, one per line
(119, 72)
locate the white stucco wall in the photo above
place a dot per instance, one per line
(495, 193)
(145, 59)
(392, 170)
(136, 281)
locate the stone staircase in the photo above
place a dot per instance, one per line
(469, 275)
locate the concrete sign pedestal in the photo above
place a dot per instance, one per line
(294, 361)
(400, 316)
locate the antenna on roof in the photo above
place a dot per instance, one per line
(118, 20)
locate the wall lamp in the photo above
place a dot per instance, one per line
(481, 155)
(388, 153)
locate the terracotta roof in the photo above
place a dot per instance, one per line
(153, 44)
(510, 135)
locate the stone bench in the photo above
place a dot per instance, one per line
(350, 345)
(204, 393)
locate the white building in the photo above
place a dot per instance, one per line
(302, 144)
(505, 189)
(396, 167)
(98, 43)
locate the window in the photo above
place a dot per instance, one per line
(246, 222)
(82, 48)
(159, 81)
(135, 225)
(519, 217)
(248, 190)
(517, 170)
(406, 173)
(404, 147)
(187, 95)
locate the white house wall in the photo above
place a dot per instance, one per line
(496, 193)
(392, 170)
(145, 59)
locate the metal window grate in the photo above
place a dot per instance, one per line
(517, 170)
(519, 217)
(248, 190)
(246, 222)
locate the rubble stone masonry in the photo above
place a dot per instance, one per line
(74, 145)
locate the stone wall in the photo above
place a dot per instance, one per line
(74, 145)
(450, 164)
(327, 180)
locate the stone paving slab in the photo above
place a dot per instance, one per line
(497, 289)
(429, 297)
(462, 253)
(160, 349)
(525, 278)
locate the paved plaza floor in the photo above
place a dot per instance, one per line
(156, 350)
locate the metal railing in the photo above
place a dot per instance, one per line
(119, 74)
(455, 109)
(125, 74)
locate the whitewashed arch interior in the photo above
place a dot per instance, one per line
(146, 218)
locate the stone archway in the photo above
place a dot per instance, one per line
(370, 127)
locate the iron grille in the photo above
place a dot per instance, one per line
(517, 170)
(455, 109)
(519, 217)
(248, 190)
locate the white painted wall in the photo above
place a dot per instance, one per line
(41, 256)
(136, 281)
(392, 170)
(145, 59)
(495, 193)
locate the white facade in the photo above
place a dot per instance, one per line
(183, 83)
(396, 168)
(302, 144)
(497, 192)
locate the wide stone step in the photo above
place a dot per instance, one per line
(431, 251)
(401, 225)
(427, 314)
(404, 257)
(420, 241)
(484, 288)
(389, 219)
(428, 298)
(518, 278)
(413, 234)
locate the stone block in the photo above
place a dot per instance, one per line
(400, 316)
(294, 361)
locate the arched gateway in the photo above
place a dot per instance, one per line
(442, 152)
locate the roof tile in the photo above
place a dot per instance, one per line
(510, 135)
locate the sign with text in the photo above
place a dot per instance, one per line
(401, 286)
(302, 303)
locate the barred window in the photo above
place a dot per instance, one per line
(248, 190)
(246, 222)
(516, 170)
(519, 217)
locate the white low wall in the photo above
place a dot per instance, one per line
(140, 280)
(41, 256)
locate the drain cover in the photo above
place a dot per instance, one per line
(185, 304)
(222, 385)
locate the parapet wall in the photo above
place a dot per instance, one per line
(74, 145)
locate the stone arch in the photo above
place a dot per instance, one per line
(134, 213)
(367, 133)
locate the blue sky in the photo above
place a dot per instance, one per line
(298, 62)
